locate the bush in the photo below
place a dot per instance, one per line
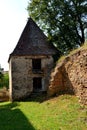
(4, 80)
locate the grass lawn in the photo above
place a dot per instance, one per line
(59, 113)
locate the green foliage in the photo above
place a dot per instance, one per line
(4, 80)
(63, 20)
(60, 113)
(1, 76)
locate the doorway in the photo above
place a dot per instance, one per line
(37, 84)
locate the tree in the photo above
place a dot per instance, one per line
(1, 73)
(64, 21)
(4, 78)
(1, 76)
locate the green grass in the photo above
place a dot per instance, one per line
(60, 113)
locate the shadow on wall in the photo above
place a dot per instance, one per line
(60, 82)
(66, 83)
(11, 118)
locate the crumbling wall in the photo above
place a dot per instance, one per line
(70, 76)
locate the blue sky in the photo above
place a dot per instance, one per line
(13, 18)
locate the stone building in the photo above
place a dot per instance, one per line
(30, 63)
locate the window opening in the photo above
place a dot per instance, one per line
(36, 64)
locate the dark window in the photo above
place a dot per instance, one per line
(36, 64)
(37, 84)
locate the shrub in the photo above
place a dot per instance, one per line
(4, 80)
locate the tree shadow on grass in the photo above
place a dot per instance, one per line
(11, 118)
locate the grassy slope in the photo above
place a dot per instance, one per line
(83, 47)
(60, 113)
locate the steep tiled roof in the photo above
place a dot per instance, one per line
(33, 42)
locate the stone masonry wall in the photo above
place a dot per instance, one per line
(19, 86)
(70, 76)
(21, 75)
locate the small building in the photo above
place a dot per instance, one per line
(30, 63)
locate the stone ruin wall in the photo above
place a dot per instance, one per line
(70, 76)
